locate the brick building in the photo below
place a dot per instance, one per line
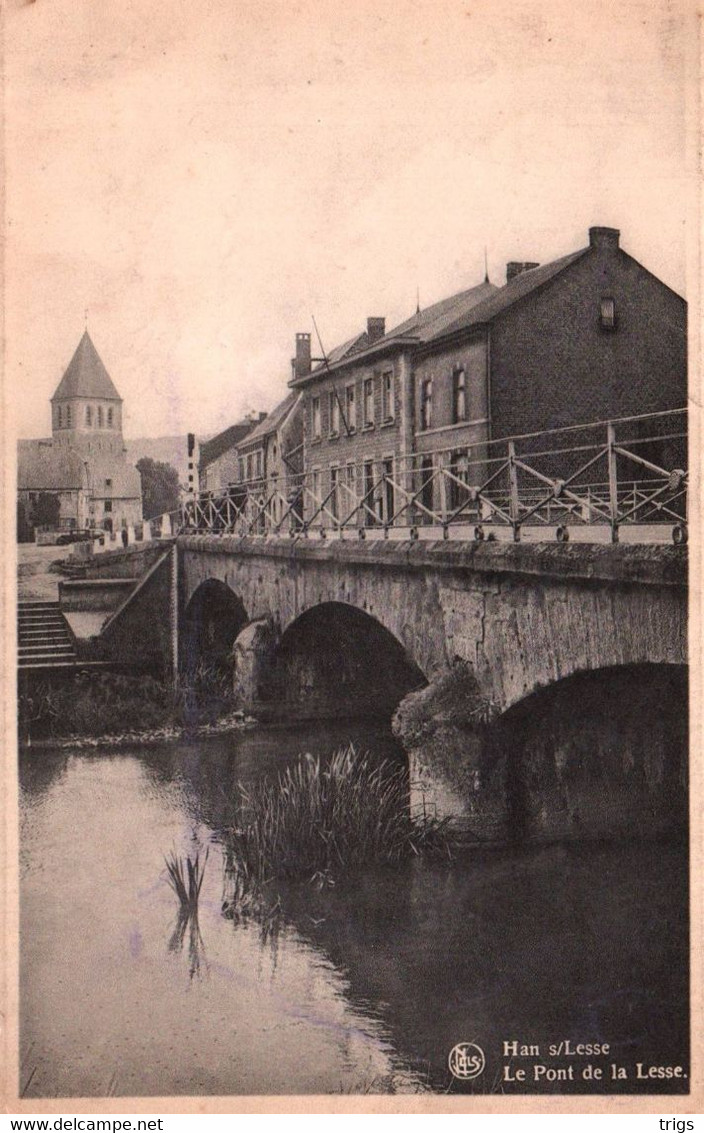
(589, 337)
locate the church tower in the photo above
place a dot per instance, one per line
(86, 410)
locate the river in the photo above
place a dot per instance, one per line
(363, 987)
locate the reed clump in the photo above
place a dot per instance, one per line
(105, 703)
(324, 819)
(185, 876)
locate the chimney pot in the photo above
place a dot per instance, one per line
(604, 238)
(376, 329)
(302, 361)
(517, 267)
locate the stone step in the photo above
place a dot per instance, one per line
(46, 650)
(42, 631)
(39, 619)
(39, 623)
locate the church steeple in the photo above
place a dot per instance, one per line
(86, 408)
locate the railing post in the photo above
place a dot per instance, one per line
(443, 500)
(513, 492)
(613, 480)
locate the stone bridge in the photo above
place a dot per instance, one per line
(538, 689)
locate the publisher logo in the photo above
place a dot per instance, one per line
(466, 1061)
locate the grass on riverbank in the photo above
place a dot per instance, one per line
(318, 820)
(97, 704)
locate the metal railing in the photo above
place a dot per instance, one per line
(616, 474)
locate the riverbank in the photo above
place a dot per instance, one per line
(234, 722)
(93, 709)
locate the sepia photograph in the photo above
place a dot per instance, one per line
(350, 365)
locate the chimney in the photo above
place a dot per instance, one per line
(606, 238)
(376, 329)
(301, 363)
(514, 268)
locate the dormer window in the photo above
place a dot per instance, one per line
(607, 312)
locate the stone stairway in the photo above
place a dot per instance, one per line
(43, 637)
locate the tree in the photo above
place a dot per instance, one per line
(160, 488)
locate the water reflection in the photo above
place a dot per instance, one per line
(187, 923)
(359, 987)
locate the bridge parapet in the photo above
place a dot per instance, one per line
(642, 564)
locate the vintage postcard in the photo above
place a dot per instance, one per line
(350, 418)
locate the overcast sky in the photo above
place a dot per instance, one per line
(205, 176)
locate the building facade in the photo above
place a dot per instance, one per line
(591, 337)
(80, 478)
(217, 459)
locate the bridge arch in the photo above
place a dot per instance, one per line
(212, 619)
(597, 753)
(335, 659)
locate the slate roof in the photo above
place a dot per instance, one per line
(44, 467)
(217, 445)
(86, 375)
(272, 421)
(504, 297)
(421, 327)
(434, 320)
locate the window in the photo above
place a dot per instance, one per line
(607, 313)
(89, 415)
(459, 469)
(334, 417)
(249, 466)
(258, 464)
(108, 483)
(369, 401)
(350, 408)
(350, 484)
(333, 502)
(315, 488)
(459, 394)
(426, 403)
(68, 416)
(370, 508)
(100, 416)
(107, 506)
(387, 395)
(110, 418)
(387, 468)
(427, 493)
(59, 422)
(315, 418)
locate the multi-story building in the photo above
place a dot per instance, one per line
(217, 463)
(589, 337)
(80, 476)
(270, 458)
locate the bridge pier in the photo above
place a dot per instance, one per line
(453, 772)
(252, 655)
